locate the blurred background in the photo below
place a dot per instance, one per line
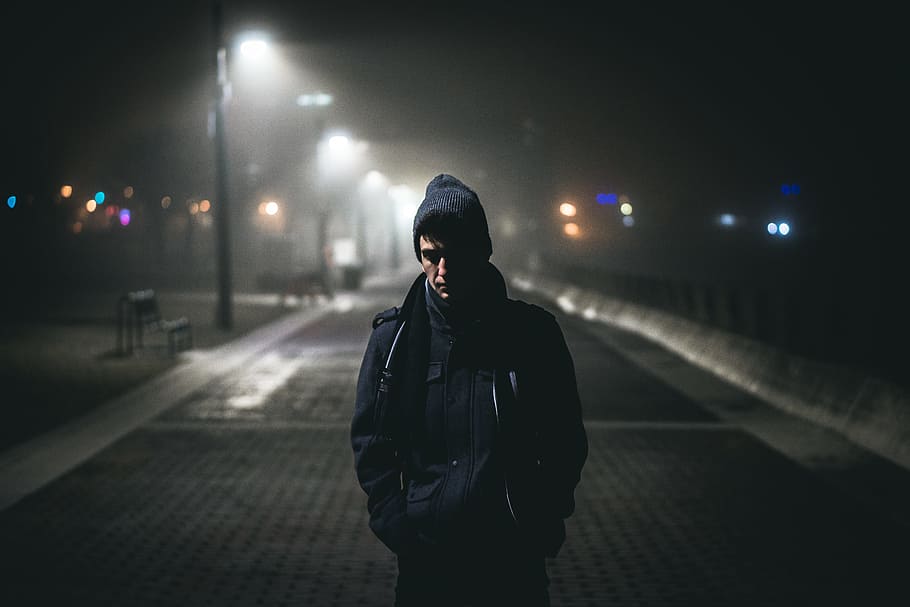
(738, 165)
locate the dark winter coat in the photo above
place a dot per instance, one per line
(471, 440)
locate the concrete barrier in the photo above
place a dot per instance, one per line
(869, 411)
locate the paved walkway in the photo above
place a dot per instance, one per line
(230, 482)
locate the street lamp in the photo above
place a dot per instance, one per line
(376, 190)
(339, 158)
(222, 210)
(224, 310)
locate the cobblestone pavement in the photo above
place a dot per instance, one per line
(244, 494)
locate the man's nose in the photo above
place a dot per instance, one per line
(443, 266)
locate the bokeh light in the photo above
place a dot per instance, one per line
(66, 191)
(571, 229)
(568, 209)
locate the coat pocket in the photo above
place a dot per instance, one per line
(420, 499)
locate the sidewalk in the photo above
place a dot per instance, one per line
(229, 481)
(108, 395)
(71, 350)
(124, 393)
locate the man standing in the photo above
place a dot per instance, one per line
(467, 430)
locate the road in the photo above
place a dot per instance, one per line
(242, 492)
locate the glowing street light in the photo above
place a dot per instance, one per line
(339, 143)
(269, 208)
(568, 209)
(254, 48)
(339, 157)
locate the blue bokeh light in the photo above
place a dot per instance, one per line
(99, 197)
(607, 198)
(11, 201)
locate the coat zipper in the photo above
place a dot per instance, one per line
(504, 472)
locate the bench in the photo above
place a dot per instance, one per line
(138, 314)
(307, 284)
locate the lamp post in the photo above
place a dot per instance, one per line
(339, 158)
(221, 210)
(378, 191)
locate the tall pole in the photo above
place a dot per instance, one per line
(221, 208)
(393, 234)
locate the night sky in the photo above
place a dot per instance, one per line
(693, 110)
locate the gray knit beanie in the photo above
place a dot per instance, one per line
(448, 197)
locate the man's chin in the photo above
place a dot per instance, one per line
(444, 293)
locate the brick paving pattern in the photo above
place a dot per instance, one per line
(244, 494)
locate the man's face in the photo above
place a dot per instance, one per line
(452, 272)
